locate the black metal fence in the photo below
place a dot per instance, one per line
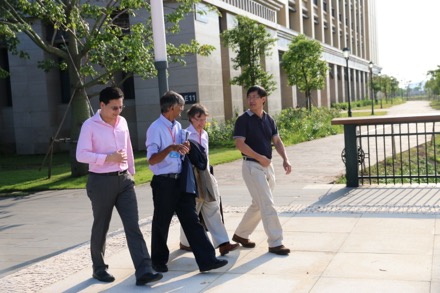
(391, 150)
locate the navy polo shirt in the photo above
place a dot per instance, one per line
(258, 132)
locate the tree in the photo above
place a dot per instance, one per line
(433, 84)
(394, 85)
(95, 43)
(376, 85)
(304, 67)
(250, 41)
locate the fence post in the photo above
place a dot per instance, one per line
(351, 156)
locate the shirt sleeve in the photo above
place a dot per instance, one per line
(240, 127)
(152, 142)
(274, 127)
(84, 149)
(130, 156)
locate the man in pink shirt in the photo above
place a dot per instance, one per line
(104, 143)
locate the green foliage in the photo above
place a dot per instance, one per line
(294, 126)
(366, 104)
(21, 172)
(304, 67)
(422, 159)
(94, 42)
(433, 84)
(250, 41)
(386, 84)
(92, 39)
(299, 125)
(220, 134)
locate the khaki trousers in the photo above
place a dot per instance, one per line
(213, 220)
(260, 182)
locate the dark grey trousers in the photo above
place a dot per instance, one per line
(106, 192)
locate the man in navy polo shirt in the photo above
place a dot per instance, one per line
(254, 132)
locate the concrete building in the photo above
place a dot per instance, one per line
(33, 103)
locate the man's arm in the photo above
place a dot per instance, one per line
(246, 150)
(160, 156)
(279, 147)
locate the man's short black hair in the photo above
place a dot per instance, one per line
(259, 89)
(110, 93)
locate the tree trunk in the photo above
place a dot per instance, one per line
(309, 101)
(79, 107)
(79, 113)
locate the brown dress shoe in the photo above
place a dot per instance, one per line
(280, 250)
(244, 242)
(184, 247)
(225, 248)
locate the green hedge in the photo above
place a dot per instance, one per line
(294, 125)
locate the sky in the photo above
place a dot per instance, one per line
(408, 38)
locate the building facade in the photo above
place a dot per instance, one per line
(33, 103)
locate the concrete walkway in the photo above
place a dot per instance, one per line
(369, 239)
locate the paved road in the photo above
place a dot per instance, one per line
(48, 223)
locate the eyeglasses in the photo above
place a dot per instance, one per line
(199, 119)
(116, 108)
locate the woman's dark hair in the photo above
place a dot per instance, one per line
(197, 110)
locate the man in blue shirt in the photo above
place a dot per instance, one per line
(165, 147)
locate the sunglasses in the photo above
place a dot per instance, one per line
(116, 108)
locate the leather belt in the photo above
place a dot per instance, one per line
(116, 173)
(249, 159)
(170, 175)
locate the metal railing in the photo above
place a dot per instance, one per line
(383, 150)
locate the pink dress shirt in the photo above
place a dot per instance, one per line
(99, 139)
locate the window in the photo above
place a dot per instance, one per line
(5, 83)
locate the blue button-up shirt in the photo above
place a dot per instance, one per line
(160, 135)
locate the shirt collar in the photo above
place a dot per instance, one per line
(167, 122)
(191, 128)
(97, 118)
(250, 113)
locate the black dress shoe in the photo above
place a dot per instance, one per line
(226, 248)
(280, 250)
(215, 265)
(103, 276)
(184, 247)
(148, 278)
(160, 268)
(243, 241)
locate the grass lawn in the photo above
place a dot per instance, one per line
(23, 173)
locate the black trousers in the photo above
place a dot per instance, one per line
(106, 192)
(168, 199)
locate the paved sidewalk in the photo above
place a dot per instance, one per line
(376, 239)
(369, 239)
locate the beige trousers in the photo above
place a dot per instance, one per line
(260, 182)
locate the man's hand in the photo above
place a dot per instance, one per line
(287, 166)
(117, 157)
(264, 161)
(183, 148)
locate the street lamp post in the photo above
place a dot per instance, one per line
(346, 52)
(380, 85)
(160, 47)
(371, 84)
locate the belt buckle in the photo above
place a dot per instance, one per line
(175, 176)
(121, 173)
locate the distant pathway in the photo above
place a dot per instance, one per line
(317, 161)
